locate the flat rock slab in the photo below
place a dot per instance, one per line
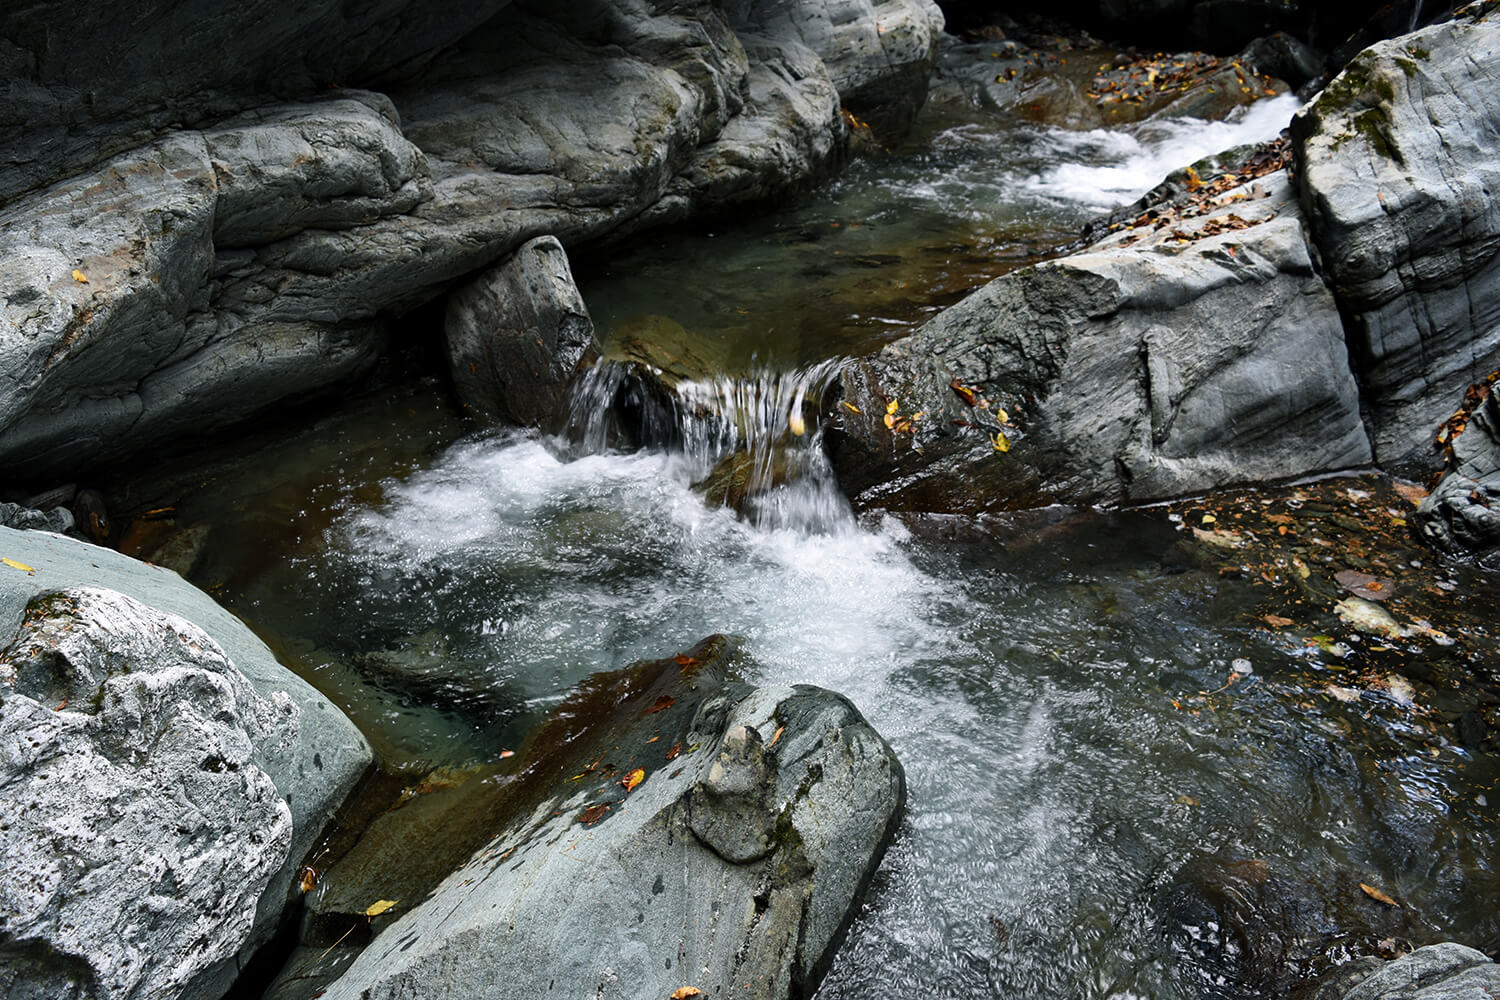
(667, 828)
(309, 755)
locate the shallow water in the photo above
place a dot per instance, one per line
(1094, 811)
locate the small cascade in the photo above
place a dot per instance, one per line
(750, 442)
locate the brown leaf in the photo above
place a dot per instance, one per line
(634, 778)
(1364, 585)
(672, 753)
(1377, 895)
(309, 880)
(593, 814)
(1410, 492)
(1276, 620)
(966, 393)
(661, 704)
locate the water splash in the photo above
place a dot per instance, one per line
(753, 442)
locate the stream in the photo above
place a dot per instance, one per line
(1095, 809)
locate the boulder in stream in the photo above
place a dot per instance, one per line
(162, 780)
(1462, 514)
(1398, 163)
(1446, 971)
(517, 334)
(665, 828)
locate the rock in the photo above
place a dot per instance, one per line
(1447, 971)
(730, 831)
(1142, 368)
(1462, 514)
(141, 831)
(14, 515)
(134, 615)
(1284, 57)
(517, 335)
(1397, 162)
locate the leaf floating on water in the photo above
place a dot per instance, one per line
(593, 814)
(18, 565)
(850, 406)
(80, 277)
(661, 704)
(1208, 519)
(672, 753)
(309, 880)
(634, 778)
(796, 424)
(506, 754)
(1276, 620)
(686, 991)
(378, 907)
(1365, 585)
(1377, 895)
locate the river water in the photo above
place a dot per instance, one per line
(1094, 811)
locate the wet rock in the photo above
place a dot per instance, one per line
(667, 827)
(1158, 362)
(1462, 514)
(517, 335)
(141, 831)
(1284, 57)
(1446, 971)
(1397, 161)
(14, 515)
(261, 759)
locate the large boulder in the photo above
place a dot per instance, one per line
(163, 776)
(517, 335)
(1398, 161)
(1462, 514)
(1159, 362)
(666, 828)
(1446, 971)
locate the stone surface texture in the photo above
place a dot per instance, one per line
(187, 777)
(1399, 164)
(1447, 971)
(726, 854)
(1462, 514)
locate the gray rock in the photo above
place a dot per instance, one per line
(1462, 514)
(1398, 161)
(14, 515)
(1138, 371)
(141, 832)
(517, 335)
(313, 764)
(664, 829)
(1446, 971)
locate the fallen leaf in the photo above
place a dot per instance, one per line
(506, 754)
(1367, 617)
(1365, 585)
(1220, 539)
(593, 814)
(1208, 519)
(309, 880)
(18, 565)
(686, 991)
(634, 778)
(968, 394)
(779, 731)
(1276, 620)
(1000, 442)
(378, 907)
(892, 406)
(1410, 492)
(889, 420)
(672, 753)
(661, 704)
(850, 406)
(80, 277)
(1377, 895)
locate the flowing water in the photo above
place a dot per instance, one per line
(1083, 821)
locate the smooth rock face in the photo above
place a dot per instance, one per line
(1398, 165)
(517, 334)
(665, 829)
(1137, 371)
(289, 760)
(1463, 513)
(140, 832)
(1446, 971)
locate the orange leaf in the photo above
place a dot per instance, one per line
(672, 753)
(1377, 895)
(779, 731)
(685, 992)
(309, 880)
(1277, 620)
(634, 778)
(661, 704)
(593, 814)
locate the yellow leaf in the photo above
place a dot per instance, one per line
(80, 277)
(1000, 441)
(19, 565)
(1209, 519)
(1377, 895)
(634, 778)
(378, 907)
(685, 992)
(850, 406)
(890, 420)
(892, 406)
(1002, 416)
(795, 422)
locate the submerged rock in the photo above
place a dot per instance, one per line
(666, 828)
(165, 778)
(1398, 161)
(1156, 363)
(1462, 514)
(518, 334)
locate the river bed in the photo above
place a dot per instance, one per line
(1121, 784)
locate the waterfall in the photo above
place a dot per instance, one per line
(753, 442)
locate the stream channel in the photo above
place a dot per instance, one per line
(1093, 811)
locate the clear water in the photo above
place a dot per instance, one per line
(1082, 821)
